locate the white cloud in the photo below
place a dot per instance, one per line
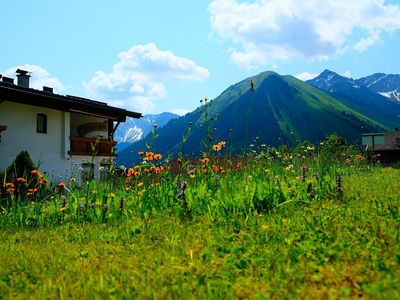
(347, 74)
(140, 76)
(180, 111)
(39, 77)
(365, 43)
(267, 31)
(306, 76)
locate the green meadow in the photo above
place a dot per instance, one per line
(313, 222)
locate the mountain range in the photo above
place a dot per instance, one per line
(365, 95)
(134, 130)
(279, 110)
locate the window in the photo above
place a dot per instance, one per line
(41, 124)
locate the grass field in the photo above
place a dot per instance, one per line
(289, 226)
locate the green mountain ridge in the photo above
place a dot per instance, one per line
(280, 110)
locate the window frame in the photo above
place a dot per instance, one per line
(41, 118)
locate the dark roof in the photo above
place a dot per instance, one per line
(18, 94)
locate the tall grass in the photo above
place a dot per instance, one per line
(277, 224)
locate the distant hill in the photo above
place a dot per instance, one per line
(280, 110)
(134, 130)
(362, 94)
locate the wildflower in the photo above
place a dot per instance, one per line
(9, 185)
(61, 188)
(20, 180)
(64, 208)
(35, 172)
(249, 177)
(303, 173)
(136, 168)
(121, 204)
(149, 156)
(205, 160)
(339, 187)
(217, 147)
(192, 176)
(216, 168)
(182, 187)
(111, 195)
(137, 174)
(157, 156)
(139, 184)
(359, 157)
(141, 152)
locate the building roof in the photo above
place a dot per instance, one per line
(19, 94)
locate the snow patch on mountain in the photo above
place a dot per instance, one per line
(134, 130)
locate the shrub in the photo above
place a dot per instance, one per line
(21, 166)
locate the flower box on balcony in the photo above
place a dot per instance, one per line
(91, 146)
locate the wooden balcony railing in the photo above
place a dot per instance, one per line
(91, 146)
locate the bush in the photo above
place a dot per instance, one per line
(21, 166)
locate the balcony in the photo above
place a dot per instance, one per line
(91, 146)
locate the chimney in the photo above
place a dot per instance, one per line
(8, 80)
(23, 78)
(47, 89)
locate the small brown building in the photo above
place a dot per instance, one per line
(386, 145)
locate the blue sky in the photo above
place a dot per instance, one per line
(155, 56)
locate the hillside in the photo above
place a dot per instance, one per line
(280, 110)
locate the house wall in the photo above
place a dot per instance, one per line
(47, 149)
(50, 150)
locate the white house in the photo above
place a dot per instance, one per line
(66, 135)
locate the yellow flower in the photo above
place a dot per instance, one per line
(217, 147)
(139, 184)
